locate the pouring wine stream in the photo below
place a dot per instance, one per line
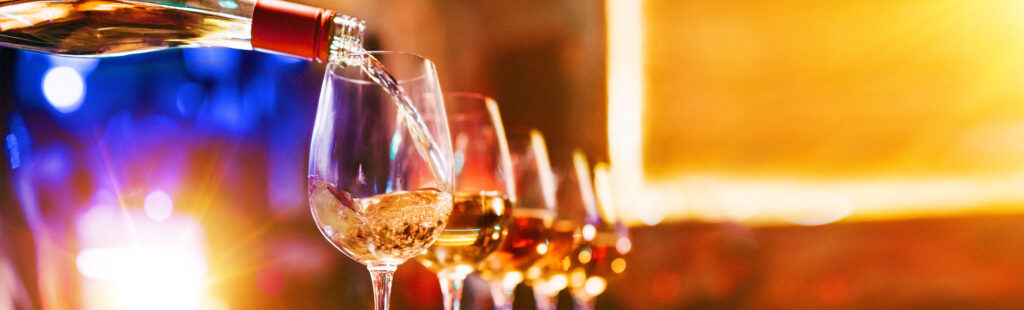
(414, 121)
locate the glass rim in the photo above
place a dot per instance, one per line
(476, 98)
(333, 66)
(469, 94)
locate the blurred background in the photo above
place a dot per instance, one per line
(787, 154)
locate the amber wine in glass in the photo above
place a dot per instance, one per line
(529, 236)
(484, 194)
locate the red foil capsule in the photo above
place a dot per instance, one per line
(291, 28)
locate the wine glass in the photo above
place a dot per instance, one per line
(603, 189)
(380, 169)
(577, 208)
(605, 241)
(529, 236)
(484, 194)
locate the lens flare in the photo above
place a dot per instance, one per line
(158, 205)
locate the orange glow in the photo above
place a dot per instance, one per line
(552, 285)
(160, 266)
(511, 279)
(809, 113)
(618, 265)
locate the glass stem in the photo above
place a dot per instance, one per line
(381, 276)
(451, 290)
(503, 298)
(545, 301)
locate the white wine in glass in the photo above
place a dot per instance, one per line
(601, 256)
(385, 229)
(478, 224)
(380, 185)
(484, 194)
(530, 237)
(577, 208)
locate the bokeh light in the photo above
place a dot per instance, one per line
(585, 255)
(595, 285)
(533, 273)
(552, 285)
(511, 279)
(618, 265)
(578, 277)
(623, 245)
(64, 89)
(158, 205)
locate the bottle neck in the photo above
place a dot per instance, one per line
(305, 31)
(346, 37)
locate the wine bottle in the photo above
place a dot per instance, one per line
(101, 28)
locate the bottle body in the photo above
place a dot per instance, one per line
(100, 28)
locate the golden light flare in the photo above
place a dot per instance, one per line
(578, 277)
(618, 265)
(511, 279)
(27, 14)
(542, 248)
(159, 265)
(589, 232)
(584, 256)
(533, 273)
(551, 285)
(458, 237)
(800, 112)
(595, 285)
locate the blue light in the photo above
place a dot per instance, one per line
(396, 142)
(212, 63)
(259, 93)
(17, 142)
(53, 164)
(286, 59)
(190, 97)
(228, 4)
(12, 151)
(64, 89)
(84, 66)
(284, 163)
(460, 159)
(226, 110)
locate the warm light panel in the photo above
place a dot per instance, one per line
(808, 112)
(625, 65)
